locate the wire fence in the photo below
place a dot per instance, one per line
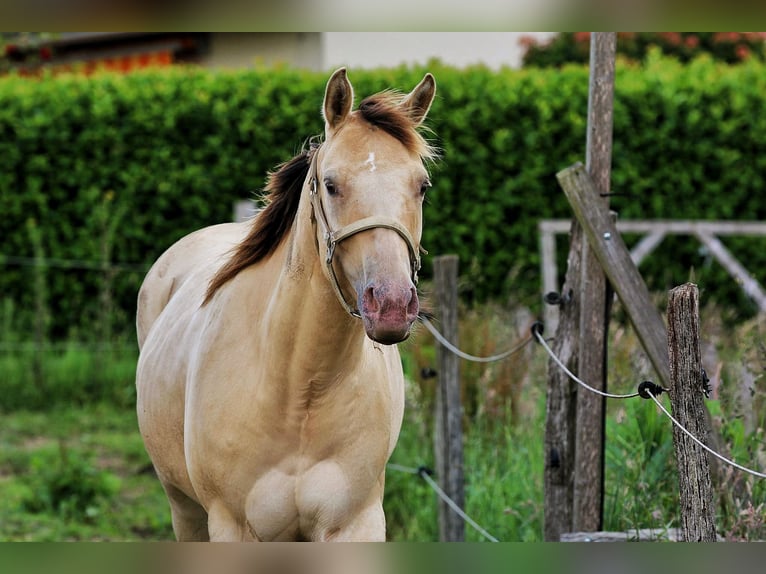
(425, 473)
(463, 355)
(62, 347)
(646, 390)
(122, 341)
(59, 263)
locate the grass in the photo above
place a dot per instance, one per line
(34, 378)
(73, 467)
(505, 504)
(78, 473)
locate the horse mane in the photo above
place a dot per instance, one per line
(283, 186)
(282, 195)
(385, 111)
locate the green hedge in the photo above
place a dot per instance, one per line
(120, 166)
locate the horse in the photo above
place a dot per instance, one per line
(270, 391)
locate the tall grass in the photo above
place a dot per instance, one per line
(94, 364)
(504, 419)
(503, 466)
(69, 374)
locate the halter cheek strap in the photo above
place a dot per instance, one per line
(332, 238)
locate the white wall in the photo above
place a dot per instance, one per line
(232, 50)
(374, 49)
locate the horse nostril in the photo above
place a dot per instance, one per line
(384, 300)
(370, 301)
(413, 305)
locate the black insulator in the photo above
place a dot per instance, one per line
(554, 459)
(649, 387)
(428, 373)
(553, 298)
(425, 470)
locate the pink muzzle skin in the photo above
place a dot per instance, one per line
(388, 311)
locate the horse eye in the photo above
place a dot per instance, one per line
(330, 187)
(424, 186)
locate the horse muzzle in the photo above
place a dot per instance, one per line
(388, 311)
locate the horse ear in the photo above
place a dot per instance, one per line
(338, 99)
(418, 101)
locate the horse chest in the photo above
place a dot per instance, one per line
(311, 504)
(295, 472)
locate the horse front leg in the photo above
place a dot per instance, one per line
(369, 525)
(190, 521)
(222, 525)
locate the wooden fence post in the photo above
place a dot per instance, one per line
(560, 404)
(595, 298)
(574, 435)
(695, 485)
(448, 435)
(609, 247)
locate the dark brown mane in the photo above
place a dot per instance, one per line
(384, 110)
(282, 194)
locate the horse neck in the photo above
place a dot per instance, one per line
(305, 308)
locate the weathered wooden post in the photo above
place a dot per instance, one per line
(574, 443)
(448, 435)
(609, 247)
(595, 299)
(560, 404)
(687, 387)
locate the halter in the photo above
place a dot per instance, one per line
(332, 238)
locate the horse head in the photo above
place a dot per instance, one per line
(368, 181)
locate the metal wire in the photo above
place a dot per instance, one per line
(463, 355)
(574, 377)
(56, 262)
(451, 503)
(400, 468)
(703, 445)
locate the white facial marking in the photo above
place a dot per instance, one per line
(371, 161)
